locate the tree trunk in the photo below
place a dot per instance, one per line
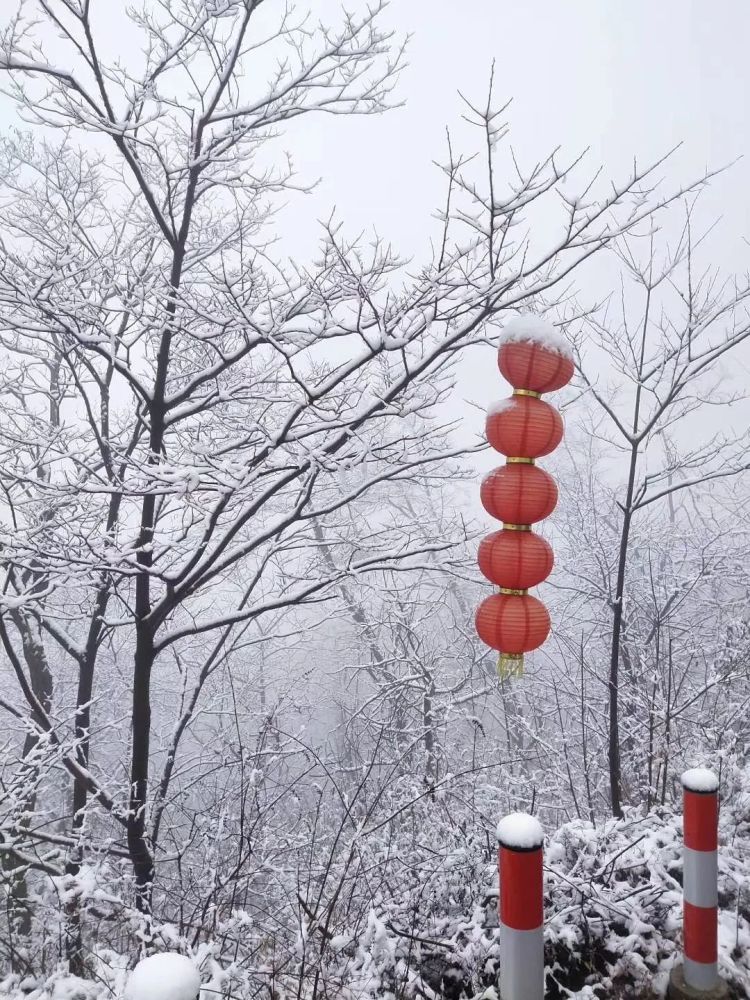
(74, 950)
(40, 676)
(430, 764)
(138, 848)
(613, 755)
(615, 765)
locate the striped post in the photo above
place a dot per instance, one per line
(700, 789)
(699, 972)
(521, 907)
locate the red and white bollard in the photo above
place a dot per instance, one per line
(699, 971)
(521, 907)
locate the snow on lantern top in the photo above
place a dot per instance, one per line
(527, 328)
(164, 977)
(700, 779)
(533, 356)
(520, 832)
(500, 406)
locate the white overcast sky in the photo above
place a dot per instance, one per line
(622, 78)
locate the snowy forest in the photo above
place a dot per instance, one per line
(246, 715)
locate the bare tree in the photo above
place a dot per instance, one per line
(654, 368)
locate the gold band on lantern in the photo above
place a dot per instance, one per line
(527, 392)
(516, 527)
(509, 665)
(518, 460)
(514, 593)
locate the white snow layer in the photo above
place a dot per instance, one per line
(500, 406)
(700, 779)
(528, 327)
(520, 830)
(164, 977)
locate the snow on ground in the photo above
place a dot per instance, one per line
(613, 916)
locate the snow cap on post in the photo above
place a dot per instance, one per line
(700, 780)
(164, 977)
(520, 832)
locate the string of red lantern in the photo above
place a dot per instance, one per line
(523, 428)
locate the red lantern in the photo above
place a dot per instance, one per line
(519, 493)
(523, 425)
(515, 560)
(534, 360)
(532, 366)
(514, 624)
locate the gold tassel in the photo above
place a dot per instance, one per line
(510, 665)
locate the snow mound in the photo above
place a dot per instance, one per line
(164, 977)
(534, 329)
(521, 831)
(700, 779)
